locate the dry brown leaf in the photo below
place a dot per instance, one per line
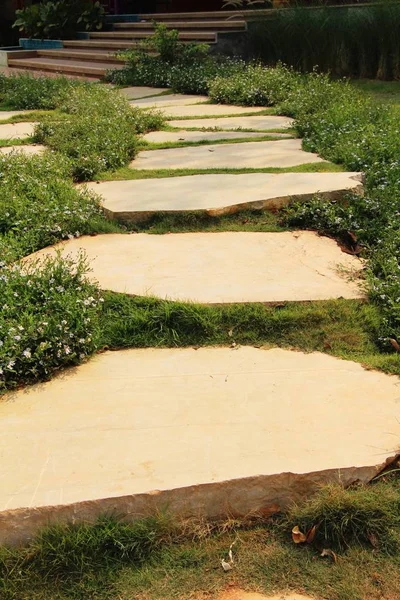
(373, 540)
(395, 344)
(311, 534)
(298, 536)
(330, 553)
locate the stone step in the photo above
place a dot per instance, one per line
(235, 123)
(236, 25)
(134, 201)
(219, 268)
(202, 110)
(254, 155)
(28, 150)
(203, 36)
(94, 55)
(187, 137)
(170, 100)
(141, 91)
(204, 15)
(211, 432)
(76, 67)
(16, 131)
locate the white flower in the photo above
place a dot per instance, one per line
(27, 353)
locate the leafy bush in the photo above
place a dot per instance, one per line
(39, 205)
(49, 319)
(59, 19)
(101, 133)
(360, 41)
(365, 515)
(25, 91)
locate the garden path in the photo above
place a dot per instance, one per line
(206, 430)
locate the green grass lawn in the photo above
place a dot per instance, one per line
(382, 91)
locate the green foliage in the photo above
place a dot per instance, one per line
(26, 92)
(345, 517)
(359, 41)
(101, 131)
(59, 19)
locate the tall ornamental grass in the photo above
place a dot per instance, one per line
(360, 41)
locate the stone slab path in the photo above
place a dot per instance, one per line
(170, 100)
(136, 200)
(161, 137)
(7, 114)
(29, 150)
(215, 268)
(132, 93)
(16, 131)
(255, 122)
(134, 421)
(256, 155)
(210, 110)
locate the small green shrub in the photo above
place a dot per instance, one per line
(100, 134)
(25, 91)
(59, 20)
(362, 516)
(49, 319)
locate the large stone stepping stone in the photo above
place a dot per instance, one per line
(256, 155)
(29, 150)
(16, 131)
(7, 114)
(255, 122)
(213, 430)
(162, 137)
(219, 267)
(132, 93)
(170, 100)
(210, 110)
(137, 200)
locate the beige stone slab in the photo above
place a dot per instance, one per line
(135, 92)
(16, 131)
(134, 421)
(210, 110)
(255, 122)
(256, 155)
(219, 267)
(162, 137)
(25, 149)
(7, 114)
(170, 100)
(136, 200)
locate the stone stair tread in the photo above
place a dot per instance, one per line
(17, 131)
(185, 35)
(207, 428)
(54, 64)
(180, 24)
(136, 200)
(254, 122)
(215, 268)
(257, 155)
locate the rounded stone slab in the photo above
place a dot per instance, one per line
(256, 155)
(169, 100)
(135, 92)
(29, 150)
(210, 110)
(7, 114)
(161, 137)
(255, 122)
(137, 200)
(214, 430)
(216, 268)
(16, 131)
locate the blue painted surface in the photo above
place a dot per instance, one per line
(32, 44)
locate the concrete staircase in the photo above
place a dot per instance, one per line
(94, 56)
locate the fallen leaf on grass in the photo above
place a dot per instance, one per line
(298, 536)
(395, 344)
(330, 553)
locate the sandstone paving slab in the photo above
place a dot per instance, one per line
(221, 267)
(255, 122)
(170, 100)
(161, 137)
(16, 131)
(136, 92)
(136, 200)
(7, 114)
(205, 431)
(29, 150)
(210, 110)
(256, 155)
